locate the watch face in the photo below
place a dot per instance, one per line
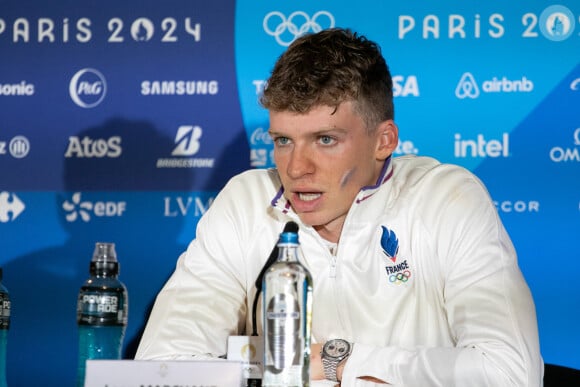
(336, 348)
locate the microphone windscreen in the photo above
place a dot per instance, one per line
(291, 227)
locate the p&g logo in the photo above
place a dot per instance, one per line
(88, 88)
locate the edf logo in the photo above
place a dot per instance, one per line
(77, 208)
(88, 88)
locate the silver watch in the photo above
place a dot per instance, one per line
(333, 352)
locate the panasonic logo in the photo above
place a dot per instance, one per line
(17, 89)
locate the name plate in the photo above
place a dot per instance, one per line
(249, 350)
(155, 373)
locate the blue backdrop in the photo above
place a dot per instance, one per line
(119, 122)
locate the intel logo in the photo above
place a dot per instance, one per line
(88, 88)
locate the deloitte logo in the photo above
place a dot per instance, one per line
(557, 23)
(467, 86)
(87, 88)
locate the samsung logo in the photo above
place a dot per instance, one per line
(179, 87)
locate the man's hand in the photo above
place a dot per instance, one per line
(316, 369)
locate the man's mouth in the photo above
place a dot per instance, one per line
(307, 197)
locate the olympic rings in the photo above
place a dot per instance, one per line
(399, 278)
(297, 24)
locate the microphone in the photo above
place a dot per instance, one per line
(289, 227)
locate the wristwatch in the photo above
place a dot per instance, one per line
(333, 353)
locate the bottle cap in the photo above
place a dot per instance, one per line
(104, 260)
(288, 237)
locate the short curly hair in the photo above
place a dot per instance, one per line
(330, 67)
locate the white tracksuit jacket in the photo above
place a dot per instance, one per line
(425, 281)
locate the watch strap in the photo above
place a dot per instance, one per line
(330, 364)
(330, 369)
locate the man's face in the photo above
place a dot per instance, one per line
(324, 158)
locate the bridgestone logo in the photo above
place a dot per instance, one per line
(185, 163)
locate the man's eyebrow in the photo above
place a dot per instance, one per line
(321, 131)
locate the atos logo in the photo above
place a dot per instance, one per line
(10, 207)
(468, 88)
(77, 207)
(89, 148)
(88, 88)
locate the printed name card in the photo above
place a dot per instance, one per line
(250, 352)
(149, 373)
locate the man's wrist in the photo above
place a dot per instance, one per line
(340, 369)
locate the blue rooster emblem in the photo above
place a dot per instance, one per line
(390, 243)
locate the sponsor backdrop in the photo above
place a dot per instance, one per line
(119, 122)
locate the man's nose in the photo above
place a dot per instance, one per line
(301, 162)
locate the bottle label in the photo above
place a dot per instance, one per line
(4, 311)
(101, 308)
(284, 348)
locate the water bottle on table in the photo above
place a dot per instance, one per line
(102, 309)
(4, 325)
(287, 302)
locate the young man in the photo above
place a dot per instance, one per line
(411, 265)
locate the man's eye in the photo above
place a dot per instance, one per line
(326, 140)
(281, 140)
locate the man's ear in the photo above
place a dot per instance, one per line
(387, 139)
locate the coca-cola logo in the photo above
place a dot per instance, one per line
(260, 136)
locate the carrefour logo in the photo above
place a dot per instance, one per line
(77, 208)
(88, 88)
(10, 207)
(468, 87)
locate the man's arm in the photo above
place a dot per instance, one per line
(487, 304)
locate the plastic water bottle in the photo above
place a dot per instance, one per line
(101, 310)
(4, 325)
(287, 303)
